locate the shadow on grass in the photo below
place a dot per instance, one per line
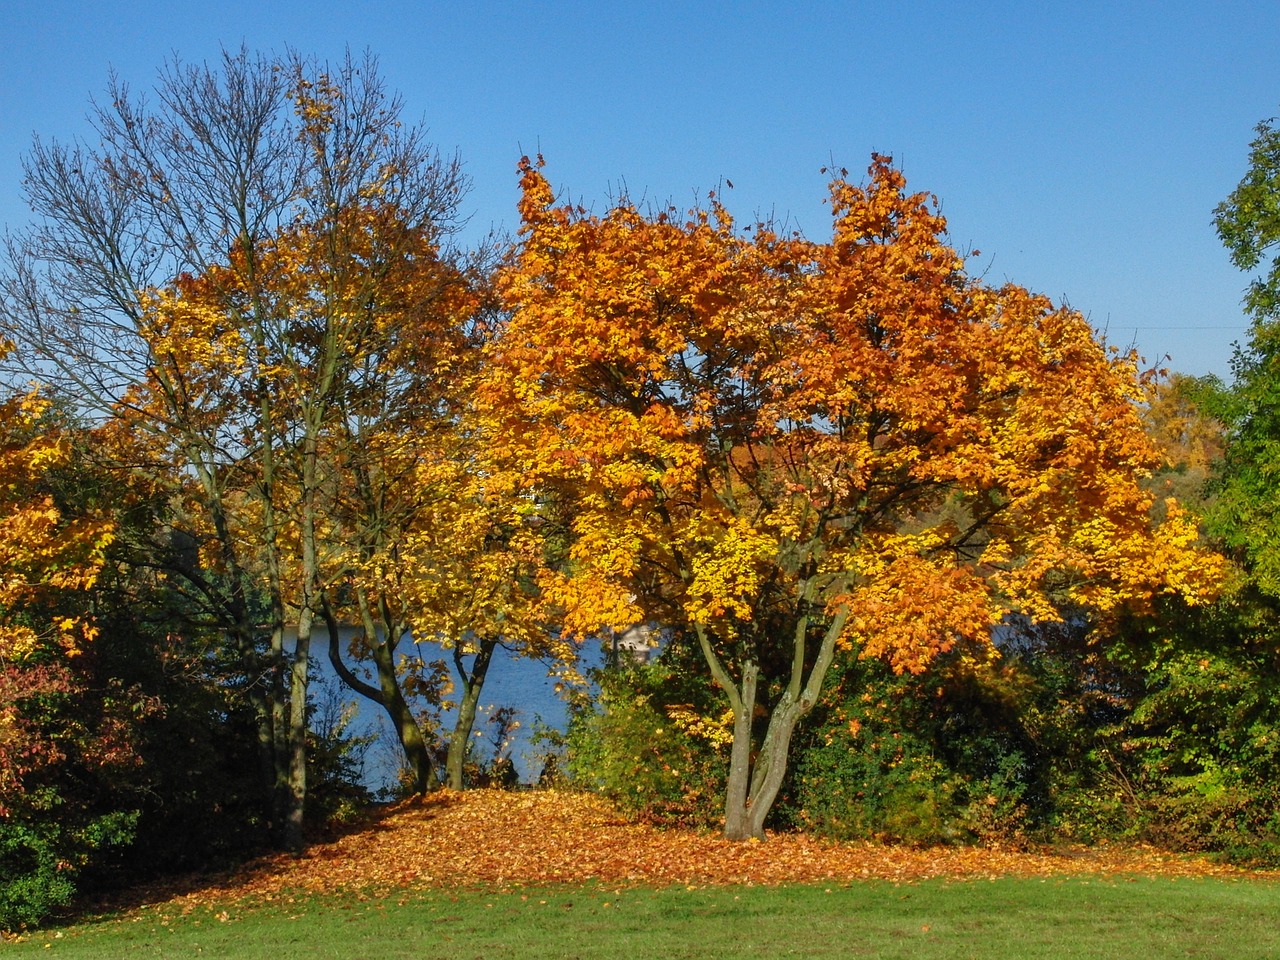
(224, 881)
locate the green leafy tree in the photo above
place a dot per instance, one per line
(1247, 512)
(1199, 750)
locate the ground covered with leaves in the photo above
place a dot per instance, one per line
(490, 838)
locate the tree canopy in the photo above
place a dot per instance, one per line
(244, 271)
(1247, 510)
(786, 447)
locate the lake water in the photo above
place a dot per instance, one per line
(523, 685)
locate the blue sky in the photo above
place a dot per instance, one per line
(1080, 146)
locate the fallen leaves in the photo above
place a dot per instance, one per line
(504, 839)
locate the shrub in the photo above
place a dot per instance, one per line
(41, 860)
(66, 758)
(651, 740)
(867, 780)
(959, 753)
(1202, 749)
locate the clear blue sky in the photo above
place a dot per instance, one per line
(1081, 146)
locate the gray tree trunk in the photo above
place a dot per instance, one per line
(472, 684)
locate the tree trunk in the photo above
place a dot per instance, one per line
(754, 781)
(294, 837)
(277, 682)
(472, 684)
(417, 752)
(266, 675)
(770, 768)
(387, 694)
(737, 821)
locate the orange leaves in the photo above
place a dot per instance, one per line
(487, 837)
(913, 609)
(593, 591)
(536, 195)
(796, 402)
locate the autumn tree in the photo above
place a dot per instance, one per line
(784, 448)
(205, 282)
(431, 541)
(60, 739)
(472, 567)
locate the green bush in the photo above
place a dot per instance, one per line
(1202, 745)
(651, 741)
(867, 780)
(41, 859)
(33, 879)
(1165, 731)
(965, 752)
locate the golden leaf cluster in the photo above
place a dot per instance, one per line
(750, 425)
(42, 553)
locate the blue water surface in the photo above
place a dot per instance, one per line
(524, 685)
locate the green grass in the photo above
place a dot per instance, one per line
(1009, 919)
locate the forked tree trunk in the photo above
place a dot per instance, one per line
(472, 684)
(768, 771)
(755, 777)
(387, 694)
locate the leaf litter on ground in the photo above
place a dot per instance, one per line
(506, 840)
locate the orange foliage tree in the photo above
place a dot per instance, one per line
(428, 540)
(784, 448)
(343, 383)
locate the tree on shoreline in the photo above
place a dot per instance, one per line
(785, 448)
(206, 283)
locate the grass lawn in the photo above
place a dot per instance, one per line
(1009, 918)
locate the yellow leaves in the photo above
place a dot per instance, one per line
(1130, 566)
(41, 553)
(1194, 574)
(19, 643)
(192, 334)
(728, 565)
(466, 563)
(996, 554)
(1186, 436)
(716, 731)
(879, 554)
